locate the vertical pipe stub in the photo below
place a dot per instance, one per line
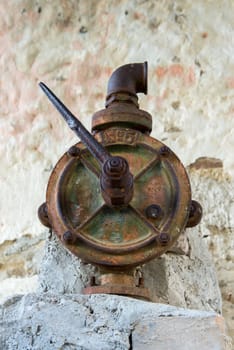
(122, 102)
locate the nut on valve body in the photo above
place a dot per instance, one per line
(116, 182)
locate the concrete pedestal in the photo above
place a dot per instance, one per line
(105, 322)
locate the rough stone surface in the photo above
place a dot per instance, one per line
(19, 264)
(185, 280)
(71, 276)
(75, 322)
(73, 46)
(181, 280)
(214, 189)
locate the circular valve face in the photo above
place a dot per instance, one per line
(119, 236)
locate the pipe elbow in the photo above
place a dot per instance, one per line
(121, 106)
(129, 78)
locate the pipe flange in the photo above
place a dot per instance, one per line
(122, 114)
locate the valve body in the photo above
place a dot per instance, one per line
(129, 207)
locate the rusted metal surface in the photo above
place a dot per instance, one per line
(119, 198)
(195, 214)
(122, 101)
(153, 211)
(123, 236)
(130, 78)
(116, 182)
(122, 284)
(43, 215)
(118, 289)
(69, 237)
(125, 113)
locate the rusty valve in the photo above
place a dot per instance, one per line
(119, 198)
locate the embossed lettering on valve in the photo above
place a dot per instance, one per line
(115, 136)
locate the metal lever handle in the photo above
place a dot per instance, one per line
(95, 148)
(116, 180)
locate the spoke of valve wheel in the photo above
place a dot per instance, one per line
(95, 148)
(146, 168)
(90, 166)
(92, 216)
(138, 213)
(121, 249)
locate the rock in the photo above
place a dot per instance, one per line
(19, 264)
(188, 281)
(206, 163)
(75, 322)
(214, 189)
(62, 272)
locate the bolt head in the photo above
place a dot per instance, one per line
(153, 211)
(195, 214)
(164, 238)
(115, 166)
(43, 215)
(69, 237)
(73, 151)
(164, 151)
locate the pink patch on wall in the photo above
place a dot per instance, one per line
(189, 77)
(77, 45)
(161, 98)
(204, 35)
(230, 83)
(139, 16)
(176, 71)
(161, 72)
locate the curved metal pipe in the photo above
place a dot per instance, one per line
(130, 78)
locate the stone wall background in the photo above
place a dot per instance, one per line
(73, 46)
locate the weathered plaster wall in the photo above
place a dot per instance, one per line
(73, 46)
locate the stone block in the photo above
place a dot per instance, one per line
(105, 322)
